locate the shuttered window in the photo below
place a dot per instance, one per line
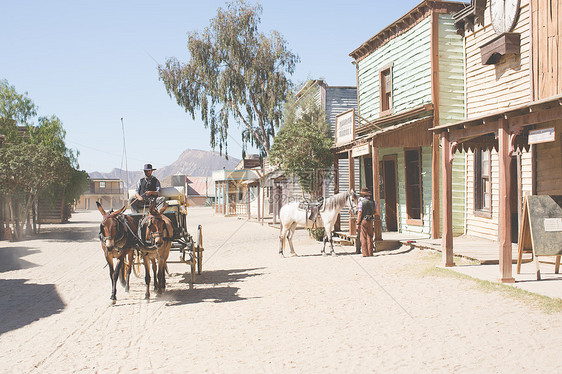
(483, 182)
(385, 77)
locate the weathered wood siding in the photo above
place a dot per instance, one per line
(452, 108)
(549, 163)
(410, 57)
(339, 100)
(343, 185)
(506, 84)
(547, 48)
(482, 227)
(451, 72)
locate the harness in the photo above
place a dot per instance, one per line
(150, 246)
(121, 238)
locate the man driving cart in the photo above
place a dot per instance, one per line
(148, 190)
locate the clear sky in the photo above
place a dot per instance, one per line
(92, 63)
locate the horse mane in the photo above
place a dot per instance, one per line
(336, 201)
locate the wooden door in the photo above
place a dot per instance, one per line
(390, 193)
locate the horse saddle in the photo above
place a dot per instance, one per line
(312, 207)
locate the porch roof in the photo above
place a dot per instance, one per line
(520, 115)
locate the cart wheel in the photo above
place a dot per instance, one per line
(199, 249)
(137, 263)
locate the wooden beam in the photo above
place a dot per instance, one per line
(471, 132)
(535, 117)
(435, 217)
(504, 229)
(435, 143)
(447, 165)
(352, 227)
(337, 225)
(376, 191)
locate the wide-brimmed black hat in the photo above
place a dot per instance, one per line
(148, 167)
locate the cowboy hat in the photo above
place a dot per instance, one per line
(148, 167)
(365, 191)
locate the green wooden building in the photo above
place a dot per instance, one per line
(410, 78)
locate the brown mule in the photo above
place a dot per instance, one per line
(117, 241)
(156, 233)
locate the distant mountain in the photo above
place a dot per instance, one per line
(192, 162)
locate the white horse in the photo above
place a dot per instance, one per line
(291, 216)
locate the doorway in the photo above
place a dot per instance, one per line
(390, 193)
(368, 163)
(516, 198)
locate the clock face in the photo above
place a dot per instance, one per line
(504, 14)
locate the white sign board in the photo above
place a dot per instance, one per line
(553, 224)
(541, 136)
(361, 150)
(345, 127)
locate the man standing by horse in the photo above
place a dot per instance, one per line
(365, 218)
(148, 189)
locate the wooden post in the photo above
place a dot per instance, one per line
(376, 191)
(337, 226)
(505, 246)
(435, 217)
(447, 163)
(352, 226)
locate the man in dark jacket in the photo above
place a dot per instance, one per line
(365, 219)
(148, 189)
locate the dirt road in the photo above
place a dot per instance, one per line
(252, 311)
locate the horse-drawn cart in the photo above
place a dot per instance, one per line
(188, 248)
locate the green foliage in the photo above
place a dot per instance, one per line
(302, 146)
(235, 71)
(28, 168)
(15, 110)
(36, 161)
(78, 183)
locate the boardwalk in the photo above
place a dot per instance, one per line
(252, 311)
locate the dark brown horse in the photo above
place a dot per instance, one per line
(155, 232)
(118, 242)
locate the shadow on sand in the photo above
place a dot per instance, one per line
(22, 303)
(11, 258)
(220, 294)
(68, 233)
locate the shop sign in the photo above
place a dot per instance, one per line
(542, 136)
(361, 150)
(345, 127)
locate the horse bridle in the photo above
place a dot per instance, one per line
(157, 234)
(350, 201)
(118, 229)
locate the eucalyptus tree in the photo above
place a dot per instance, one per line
(235, 71)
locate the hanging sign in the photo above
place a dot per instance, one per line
(542, 136)
(361, 150)
(345, 127)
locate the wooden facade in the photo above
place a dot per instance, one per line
(334, 100)
(410, 78)
(508, 98)
(111, 193)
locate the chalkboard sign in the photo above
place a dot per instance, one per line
(541, 229)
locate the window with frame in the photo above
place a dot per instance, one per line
(412, 159)
(385, 77)
(102, 185)
(483, 181)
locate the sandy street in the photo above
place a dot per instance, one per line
(254, 312)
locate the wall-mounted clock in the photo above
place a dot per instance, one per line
(504, 14)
